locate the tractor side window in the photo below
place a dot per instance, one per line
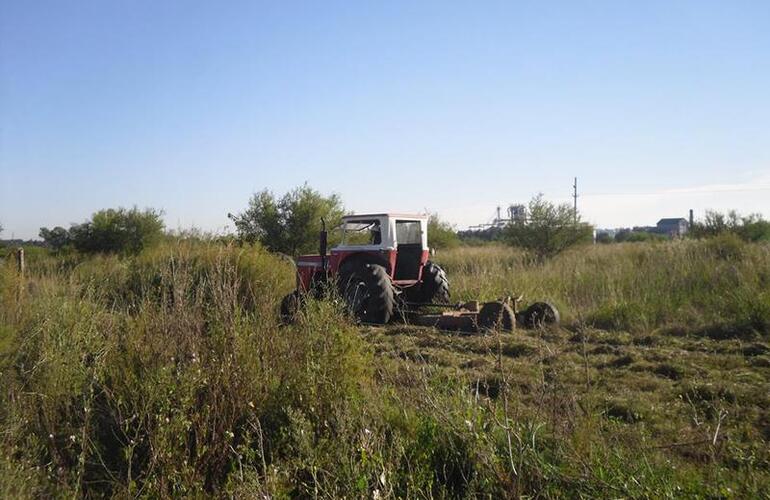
(362, 232)
(408, 232)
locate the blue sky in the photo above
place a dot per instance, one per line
(451, 107)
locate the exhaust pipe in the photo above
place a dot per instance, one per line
(322, 244)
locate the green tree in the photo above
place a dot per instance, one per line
(290, 224)
(749, 228)
(441, 234)
(118, 231)
(548, 229)
(56, 238)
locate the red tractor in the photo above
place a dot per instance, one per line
(381, 262)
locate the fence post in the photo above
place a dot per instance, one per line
(20, 260)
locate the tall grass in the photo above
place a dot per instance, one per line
(167, 374)
(720, 286)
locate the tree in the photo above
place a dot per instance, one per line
(549, 228)
(749, 228)
(441, 234)
(56, 238)
(118, 231)
(290, 225)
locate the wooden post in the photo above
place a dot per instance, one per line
(20, 260)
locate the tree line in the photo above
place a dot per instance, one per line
(290, 224)
(110, 230)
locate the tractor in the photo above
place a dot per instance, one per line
(381, 263)
(382, 270)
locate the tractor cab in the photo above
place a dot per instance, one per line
(398, 242)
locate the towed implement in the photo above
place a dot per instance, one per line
(382, 272)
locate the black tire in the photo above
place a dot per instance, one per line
(435, 285)
(541, 314)
(290, 307)
(496, 315)
(368, 293)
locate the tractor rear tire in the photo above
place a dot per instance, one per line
(435, 285)
(368, 293)
(496, 316)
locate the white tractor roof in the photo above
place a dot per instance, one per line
(391, 215)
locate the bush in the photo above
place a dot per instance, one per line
(749, 228)
(56, 239)
(162, 373)
(290, 225)
(549, 229)
(441, 234)
(109, 231)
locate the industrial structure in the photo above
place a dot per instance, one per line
(516, 213)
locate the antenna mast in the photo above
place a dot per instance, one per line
(575, 197)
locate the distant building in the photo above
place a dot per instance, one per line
(517, 213)
(609, 232)
(674, 228)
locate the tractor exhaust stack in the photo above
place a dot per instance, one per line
(322, 244)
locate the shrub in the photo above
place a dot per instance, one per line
(749, 228)
(56, 238)
(549, 228)
(441, 234)
(109, 231)
(168, 392)
(290, 225)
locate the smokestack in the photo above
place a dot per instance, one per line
(692, 220)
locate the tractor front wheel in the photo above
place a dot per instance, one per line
(368, 293)
(435, 285)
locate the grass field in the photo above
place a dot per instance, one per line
(167, 375)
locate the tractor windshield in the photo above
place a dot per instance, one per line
(361, 232)
(408, 232)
